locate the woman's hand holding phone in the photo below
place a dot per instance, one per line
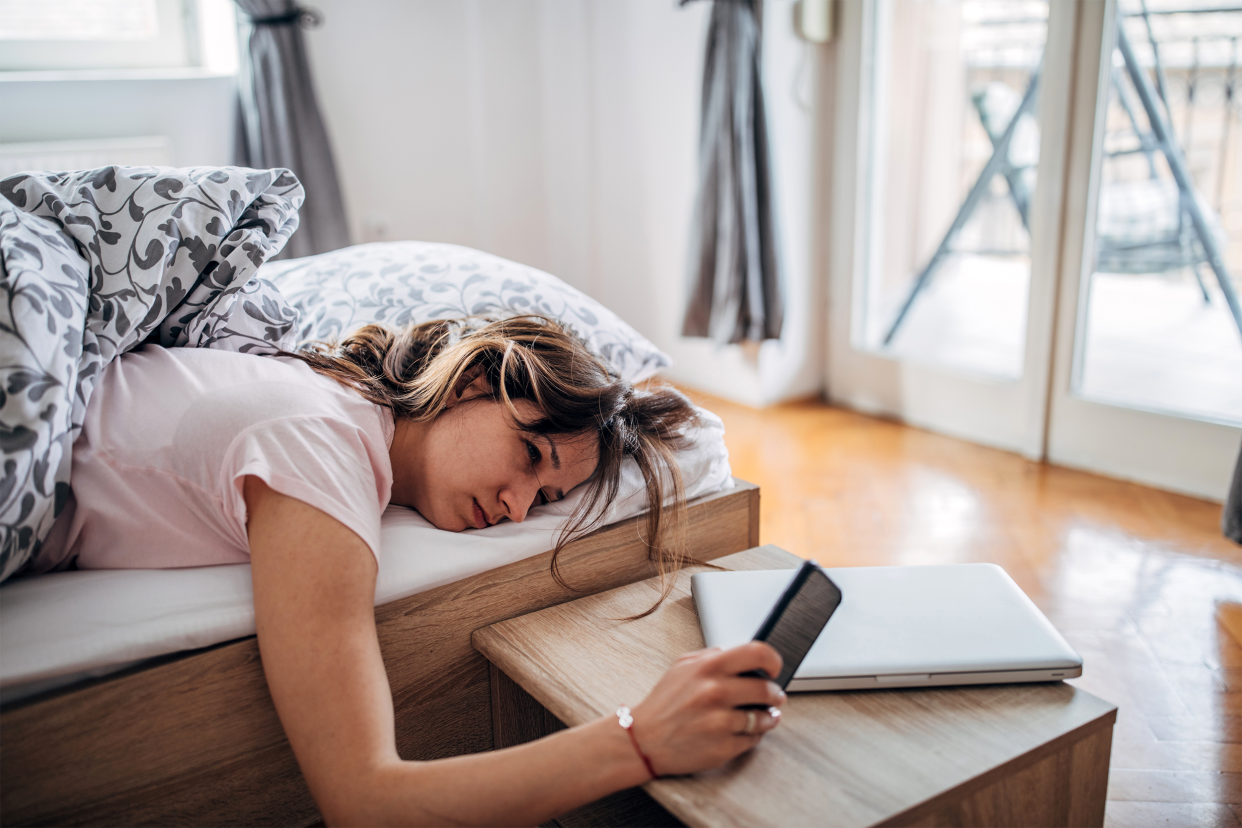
(691, 720)
(714, 704)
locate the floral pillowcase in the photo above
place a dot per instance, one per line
(405, 282)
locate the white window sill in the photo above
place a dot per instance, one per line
(161, 73)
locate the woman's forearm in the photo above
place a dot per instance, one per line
(524, 785)
(314, 583)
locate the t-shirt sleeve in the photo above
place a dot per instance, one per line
(321, 461)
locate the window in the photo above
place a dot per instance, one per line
(951, 183)
(1096, 324)
(1158, 330)
(57, 35)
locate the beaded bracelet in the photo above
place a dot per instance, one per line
(626, 719)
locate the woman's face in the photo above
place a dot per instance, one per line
(470, 468)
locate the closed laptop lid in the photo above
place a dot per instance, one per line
(895, 620)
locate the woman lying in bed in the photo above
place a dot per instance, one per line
(192, 457)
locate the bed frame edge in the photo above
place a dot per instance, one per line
(196, 740)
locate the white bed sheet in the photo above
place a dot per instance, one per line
(63, 627)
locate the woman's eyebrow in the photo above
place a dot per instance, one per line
(556, 458)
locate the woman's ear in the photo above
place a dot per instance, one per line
(472, 384)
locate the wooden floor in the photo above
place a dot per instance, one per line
(1140, 581)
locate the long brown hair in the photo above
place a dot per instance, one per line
(414, 371)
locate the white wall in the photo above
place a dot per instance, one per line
(563, 134)
(559, 133)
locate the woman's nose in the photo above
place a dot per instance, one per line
(518, 499)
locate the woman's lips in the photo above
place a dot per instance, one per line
(480, 517)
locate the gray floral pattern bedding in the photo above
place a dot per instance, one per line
(409, 281)
(98, 262)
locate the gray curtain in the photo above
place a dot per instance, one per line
(735, 284)
(280, 124)
(1231, 518)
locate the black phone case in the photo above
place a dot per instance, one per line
(800, 579)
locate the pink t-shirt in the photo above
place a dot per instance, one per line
(170, 434)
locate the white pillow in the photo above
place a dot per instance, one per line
(408, 281)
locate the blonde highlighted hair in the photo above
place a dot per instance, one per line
(414, 371)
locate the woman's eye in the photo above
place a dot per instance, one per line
(532, 451)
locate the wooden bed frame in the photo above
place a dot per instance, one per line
(195, 740)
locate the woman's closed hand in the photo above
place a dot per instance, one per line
(690, 721)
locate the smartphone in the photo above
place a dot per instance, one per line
(799, 616)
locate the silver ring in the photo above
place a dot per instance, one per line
(750, 723)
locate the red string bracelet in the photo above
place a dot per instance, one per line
(626, 720)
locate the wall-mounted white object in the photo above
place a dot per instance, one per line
(813, 19)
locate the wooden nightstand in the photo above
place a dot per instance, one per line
(1017, 754)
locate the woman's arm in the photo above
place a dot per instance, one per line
(314, 587)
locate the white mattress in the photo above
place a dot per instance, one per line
(63, 627)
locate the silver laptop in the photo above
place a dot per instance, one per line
(900, 626)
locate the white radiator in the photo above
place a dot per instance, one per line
(155, 151)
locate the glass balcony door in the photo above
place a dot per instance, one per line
(1148, 379)
(951, 141)
(1036, 228)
